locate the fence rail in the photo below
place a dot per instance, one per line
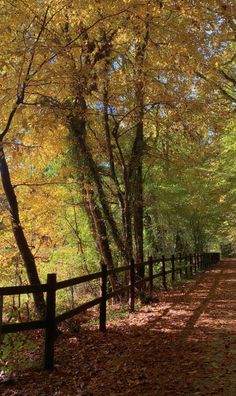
(190, 264)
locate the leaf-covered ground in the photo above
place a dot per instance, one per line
(183, 344)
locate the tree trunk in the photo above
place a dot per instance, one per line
(19, 235)
(100, 234)
(136, 176)
(136, 161)
(138, 220)
(79, 131)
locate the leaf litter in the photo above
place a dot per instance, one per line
(184, 343)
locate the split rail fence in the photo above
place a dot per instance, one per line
(174, 266)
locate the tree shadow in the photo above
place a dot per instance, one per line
(183, 345)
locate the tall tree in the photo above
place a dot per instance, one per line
(120, 83)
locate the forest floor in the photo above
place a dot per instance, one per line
(184, 343)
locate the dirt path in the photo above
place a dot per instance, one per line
(185, 344)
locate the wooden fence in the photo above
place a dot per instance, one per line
(160, 268)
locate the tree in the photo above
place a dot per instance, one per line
(125, 90)
(24, 66)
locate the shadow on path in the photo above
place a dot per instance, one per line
(183, 345)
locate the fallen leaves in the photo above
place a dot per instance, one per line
(176, 347)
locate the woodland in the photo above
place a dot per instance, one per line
(117, 135)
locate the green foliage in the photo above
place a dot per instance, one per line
(109, 73)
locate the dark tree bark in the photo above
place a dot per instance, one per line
(78, 127)
(138, 219)
(100, 234)
(136, 162)
(124, 198)
(19, 235)
(97, 208)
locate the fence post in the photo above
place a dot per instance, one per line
(191, 264)
(185, 265)
(164, 272)
(195, 263)
(132, 286)
(180, 265)
(150, 274)
(173, 267)
(202, 262)
(103, 304)
(50, 331)
(1, 313)
(198, 261)
(211, 259)
(206, 259)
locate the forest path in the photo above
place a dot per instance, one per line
(185, 344)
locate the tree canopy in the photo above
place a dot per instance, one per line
(117, 132)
